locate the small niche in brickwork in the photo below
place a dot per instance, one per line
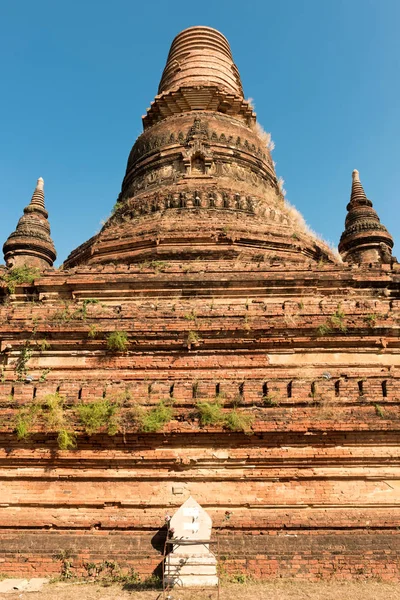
(384, 389)
(289, 389)
(198, 164)
(337, 388)
(360, 388)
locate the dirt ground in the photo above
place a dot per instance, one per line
(280, 590)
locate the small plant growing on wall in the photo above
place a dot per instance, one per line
(92, 333)
(191, 316)
(209, 413)
(25, 420)
(66, 440)
(65, 557)
(371, 320)
(43, 375)
(98, 414)
(85, 304)
(324, 329)
(43, 345)
(62, 315)
(270, 400)
(192, 339)
(158, 265)
(154, 419)
(337, 319)
(238, 421)
(55, 420)
(52, 414)
(22, 361)
(19, 275)
(117, 341)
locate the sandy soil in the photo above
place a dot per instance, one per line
(280, 590)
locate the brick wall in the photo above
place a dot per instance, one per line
(312, 489)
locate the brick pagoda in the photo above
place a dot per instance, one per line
(203, 344)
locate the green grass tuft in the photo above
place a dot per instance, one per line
(92, 333)
(238, 421)
(337, 319)
(20, 275)
(209, 413)
(324, 329)
(192, 339)
(117, 341)
(66, 440)
(154, 419)
(25, 420)
(371, 319)
(97, 414)
(270, 400)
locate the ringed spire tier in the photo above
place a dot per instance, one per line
(365, 239)
(199, 75)
(200, 181)
(30, 244)
(200, 56)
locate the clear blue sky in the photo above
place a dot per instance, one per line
(76, 77)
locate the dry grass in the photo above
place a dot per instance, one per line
(264, 136)
(275, 590)
(298, 219)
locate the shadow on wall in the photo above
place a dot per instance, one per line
(158, 543)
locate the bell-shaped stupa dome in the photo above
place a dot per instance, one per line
(200, 181)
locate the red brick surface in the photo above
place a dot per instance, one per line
(313, 488)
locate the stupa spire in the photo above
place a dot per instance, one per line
(358, 195)
(38, 195)
(30, 244)
(365, 239)
(198, 56)
(199, 75)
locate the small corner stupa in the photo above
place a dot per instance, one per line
(30, 244)
(365, 240)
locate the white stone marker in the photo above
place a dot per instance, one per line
(191, 564)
